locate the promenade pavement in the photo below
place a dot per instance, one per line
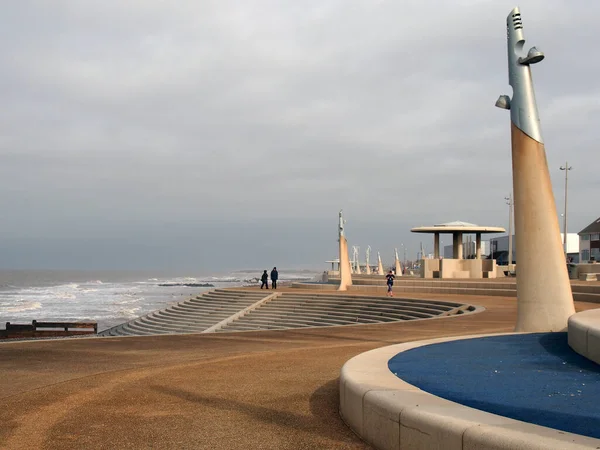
(251, 390)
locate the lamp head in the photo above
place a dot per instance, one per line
(533, 56)
(503, 102)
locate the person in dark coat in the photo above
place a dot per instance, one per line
(265, 280)
(274, 277)
(390, 283)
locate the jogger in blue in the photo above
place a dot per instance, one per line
(390, 283)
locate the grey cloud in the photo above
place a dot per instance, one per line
(143, 118)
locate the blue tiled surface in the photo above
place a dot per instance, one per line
(535, 378)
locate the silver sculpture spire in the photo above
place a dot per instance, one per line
(523, 107)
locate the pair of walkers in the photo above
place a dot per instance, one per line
(265, 279)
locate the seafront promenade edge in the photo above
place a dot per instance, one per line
(273, 389)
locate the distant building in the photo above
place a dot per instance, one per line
(589, 242)
(469, 249)
(498, 248)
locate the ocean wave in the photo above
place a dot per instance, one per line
(187, 281)
(129, 312)
(128, 300)
(26, 306)
(108, 300)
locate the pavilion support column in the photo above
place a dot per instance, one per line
(454, 246)
(459, 242)
(436, 245)
(478, 245)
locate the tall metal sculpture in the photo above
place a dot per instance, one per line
(544, 297)
(345, 270)
(397, 263)
(379, 264)
(355, 259)
(368, 254)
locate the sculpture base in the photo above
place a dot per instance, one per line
(544, 297)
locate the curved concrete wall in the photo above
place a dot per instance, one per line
(584, 334)
(389, 413)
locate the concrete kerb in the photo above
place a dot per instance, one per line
(389, 413)
(584, 334)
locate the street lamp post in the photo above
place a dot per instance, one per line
(509, 202)
(566, 168)
(404, 256)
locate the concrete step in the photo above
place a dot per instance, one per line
(269, 316)
(288, 310)
(339, 314)
(280, 319)
(219, 302)
(115, 331)
(354, 296)
(586, 297)
(160, 316)
(295, 317)
(360, 305)
(287, 325)
(388, 306)
(354, 308)
(176, 314)
(228, 293)
(172, 326)
(201, 309)
(371, 300)
(274, 315)
(250, 327)
(134, 329)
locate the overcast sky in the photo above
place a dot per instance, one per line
(211, 135)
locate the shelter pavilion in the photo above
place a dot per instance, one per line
(457, 267)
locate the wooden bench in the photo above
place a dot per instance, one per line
(65, 325)
(48, 329)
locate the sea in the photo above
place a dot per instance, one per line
(111, 297)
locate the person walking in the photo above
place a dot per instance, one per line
(390, 283)
(265, 280)
(274, 277)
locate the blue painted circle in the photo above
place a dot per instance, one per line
(535, 378)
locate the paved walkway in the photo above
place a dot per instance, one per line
(259, 390)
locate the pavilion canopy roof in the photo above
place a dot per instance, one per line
(457, 227)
